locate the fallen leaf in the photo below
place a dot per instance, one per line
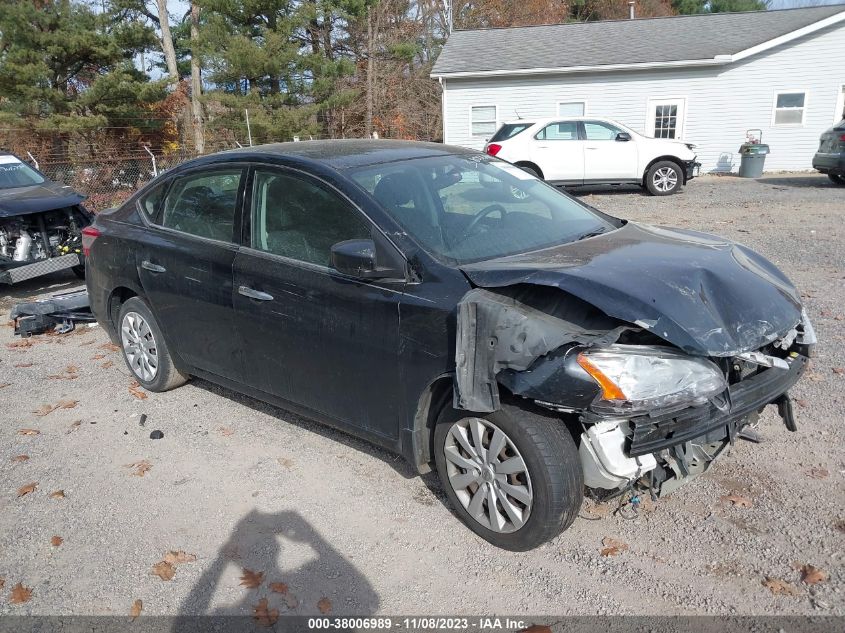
(25, 490)
(164, 570)
(73, 427)
(58, 494)
(141, 468)
(252, 579)
(179, 557)
(98, 356)
(801, 403)
(71, 369)
(3, 385)
(20, 458)
(135, 390)
(291, 601)
(813, 575)
(736, 500)
(285, 462)
(29, 432)
(839, 370)
(56, 541)
(265, 616)
(612, 547)
(20, 594)
(324, 605)
(778, 587)
(278, 587)
(2, 582)
(107, 364)
(67, 404)
(840, 526)
(135, 611)
(818, 473)
(20, 344)
(23, 365)
(225, 431)
(110, 347)
(45, 409)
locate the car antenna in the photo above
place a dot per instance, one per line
(518, 115)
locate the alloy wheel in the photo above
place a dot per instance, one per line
(139, 345)
(665, 179)
(488, 475)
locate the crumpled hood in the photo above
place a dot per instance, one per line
(36, 198)
(705, 294)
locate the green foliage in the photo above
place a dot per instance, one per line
(718, 6)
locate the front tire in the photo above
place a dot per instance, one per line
(144, 349)
(513, 476)
(664, 178)
(836, 179)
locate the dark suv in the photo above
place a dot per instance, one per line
(830, 159)
(454, 309)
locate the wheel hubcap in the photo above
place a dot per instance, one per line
(139, 345)
(665, 179)
(488, 475)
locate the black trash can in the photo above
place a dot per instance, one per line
(753, 157)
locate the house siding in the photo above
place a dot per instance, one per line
(721, 102)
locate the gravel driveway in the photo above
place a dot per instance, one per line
(241, 485)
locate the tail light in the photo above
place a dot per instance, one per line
(493, 149)
(842, 137)
(89, 234)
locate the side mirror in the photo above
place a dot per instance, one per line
(623, 136)
(356, 258)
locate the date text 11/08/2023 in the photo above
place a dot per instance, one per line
(425, 623)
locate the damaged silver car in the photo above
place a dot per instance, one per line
(452, 308)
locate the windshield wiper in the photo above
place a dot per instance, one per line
(592, 233)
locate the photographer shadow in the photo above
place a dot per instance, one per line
(303, 575)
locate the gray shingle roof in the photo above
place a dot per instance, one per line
(649, 40)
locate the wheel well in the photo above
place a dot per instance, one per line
(526, 163)
(433, 399)
(671, 159)
(118, 297)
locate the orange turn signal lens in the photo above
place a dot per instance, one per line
(609, 390)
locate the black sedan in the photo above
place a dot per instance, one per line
(830, 159)
(454, 309)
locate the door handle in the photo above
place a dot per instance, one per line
(153, 268)
(593, 147)
(254, 294)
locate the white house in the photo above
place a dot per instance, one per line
(707, 79)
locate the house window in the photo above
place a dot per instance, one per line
(483, 121)
(789, 108)
(571, 108)
(666, 120)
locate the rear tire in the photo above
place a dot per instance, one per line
(837, 179)
(144, 349)
(664, 178)
(530, 169)
(535, 499)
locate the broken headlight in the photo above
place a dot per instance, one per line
(635, 378)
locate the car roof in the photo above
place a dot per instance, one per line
(348, 153)
(553, 119)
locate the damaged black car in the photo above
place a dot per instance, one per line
(41, 223)
(454, 309)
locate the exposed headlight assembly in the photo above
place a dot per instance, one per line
(638, 378)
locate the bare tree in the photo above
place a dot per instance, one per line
(167, 42)
(196, 81)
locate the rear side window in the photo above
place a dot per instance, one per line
(563, 131)
(203, 204)
(150, 203)
(509, 130)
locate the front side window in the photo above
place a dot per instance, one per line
(470, 208)
(789, 108)
(483, 121)
(561, 131)
(600, 131)
(16, 173)
(203, 204)
(299, 218)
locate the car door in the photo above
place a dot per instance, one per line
(559, 152)
(606, 156)
(184, 262)
(313, 336)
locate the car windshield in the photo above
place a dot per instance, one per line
(468, 208)
(15, 173)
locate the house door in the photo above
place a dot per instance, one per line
(666, 118)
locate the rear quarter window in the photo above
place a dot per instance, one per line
(509, 130)
(150, 202)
